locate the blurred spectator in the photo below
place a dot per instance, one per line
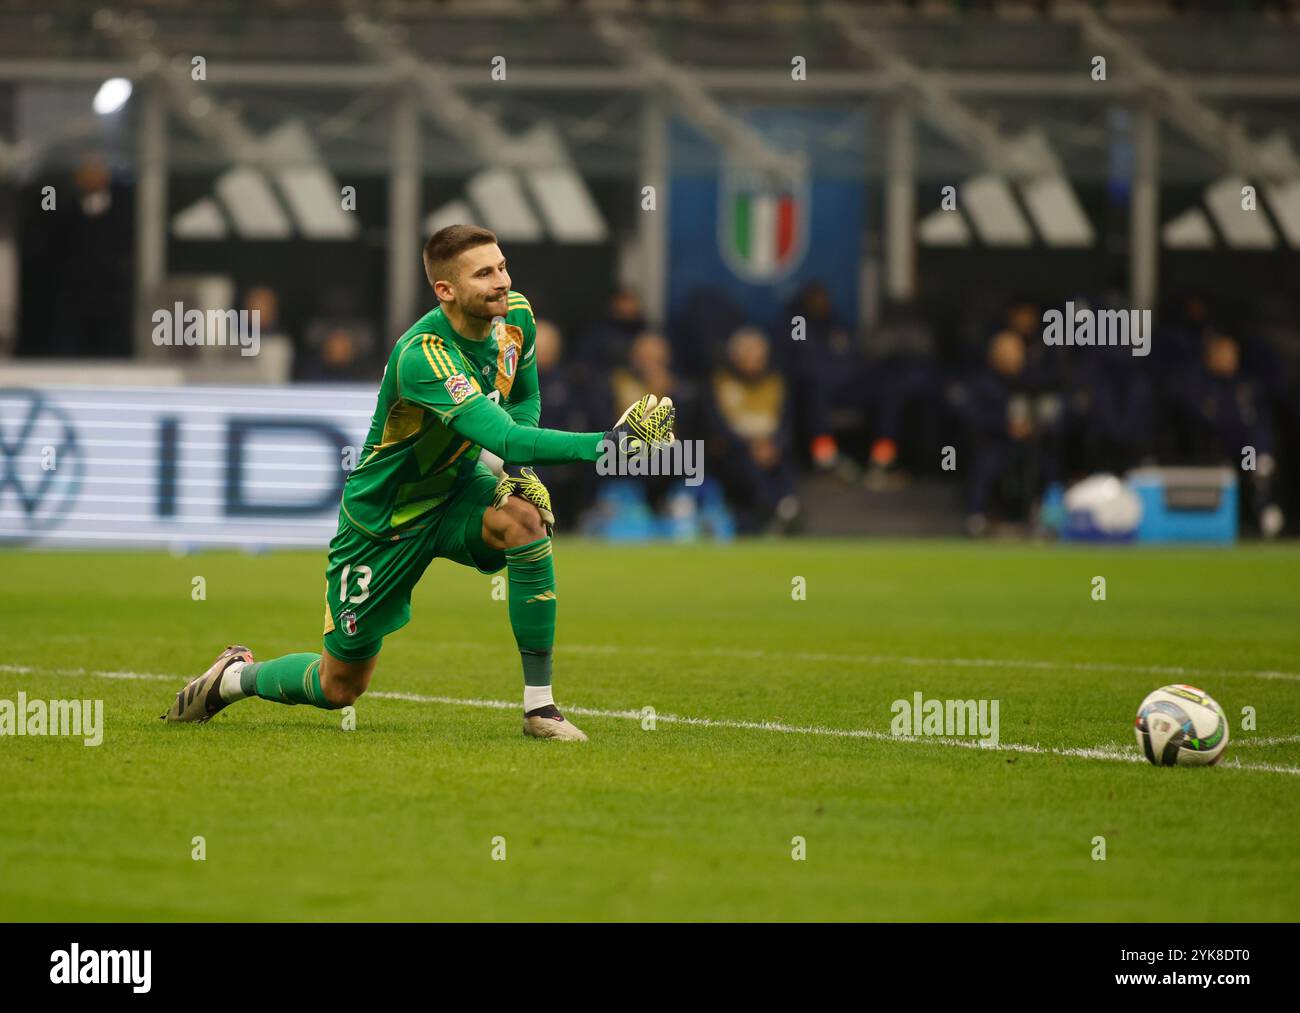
(335, 359)
(1007, 427)
(77, 268)
(1044, 364)
(606, 343)
(1113, 406)
(905, 390)
(699, 335)
(262, 300)
(648, 371)
(337, 349)
(1226, 411)
(1178, 342)
(827, 370)
(565, 400)
(561, 383)
(751, 426)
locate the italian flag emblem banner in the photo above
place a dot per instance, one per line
(763, 225)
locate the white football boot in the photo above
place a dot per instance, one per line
(548, 723)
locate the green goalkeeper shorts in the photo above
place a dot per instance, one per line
(368, 583)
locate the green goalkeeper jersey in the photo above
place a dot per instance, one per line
(443, 398)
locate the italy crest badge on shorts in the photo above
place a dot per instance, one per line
(349, 622)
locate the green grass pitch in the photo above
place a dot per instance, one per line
(397, 819)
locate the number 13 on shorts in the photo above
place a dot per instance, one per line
(362, 574)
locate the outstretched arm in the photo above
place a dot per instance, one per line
(491, 427)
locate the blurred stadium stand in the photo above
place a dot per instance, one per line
(300, 172)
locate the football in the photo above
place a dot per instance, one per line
(1181, 726)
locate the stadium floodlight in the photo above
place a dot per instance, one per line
(112, 96)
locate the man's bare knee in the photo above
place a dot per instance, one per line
(525, 523)
(340, 694)
(343, 682)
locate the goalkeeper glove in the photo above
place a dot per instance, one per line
(529, 487)
(648, 422)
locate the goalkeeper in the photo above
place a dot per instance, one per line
(461, 381)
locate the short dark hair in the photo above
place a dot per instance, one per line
(447, 244)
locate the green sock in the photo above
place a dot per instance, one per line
(532, 607)
(295, 678)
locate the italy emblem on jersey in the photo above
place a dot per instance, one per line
(458, 387)
(510, 359)
(763, 222)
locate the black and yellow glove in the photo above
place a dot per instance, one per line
(647, 422)
(529, 487)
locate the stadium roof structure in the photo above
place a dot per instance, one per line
(703, 36)
(1018, 66)
(1001, 95)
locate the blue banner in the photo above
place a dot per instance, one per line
(759, 242)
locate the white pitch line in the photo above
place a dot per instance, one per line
(880, 659)
(1108, 751)
(149, 676)
(1267, 740)
(894, 659)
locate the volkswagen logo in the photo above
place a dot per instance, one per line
(40, 463)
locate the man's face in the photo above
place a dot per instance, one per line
(649, 354)
(548, 345)
(481, 285)
(1024, 319)
(626, 306)
(749, 354)
(1222, 356)
(1007, 353)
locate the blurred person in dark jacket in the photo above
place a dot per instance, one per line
(1044, 365)
(1113, 406)
(750, 430)
(699, 332)
(1177, 344)
(1008, 423)
(827, 369)
(905, 389)
(606, 342)
(334, 359)
(566, 401)
(1226, 411)
(76, 268)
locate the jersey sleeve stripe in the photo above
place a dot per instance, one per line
(438, 358)
(447, 355)
(438, 369)
(444, 356)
